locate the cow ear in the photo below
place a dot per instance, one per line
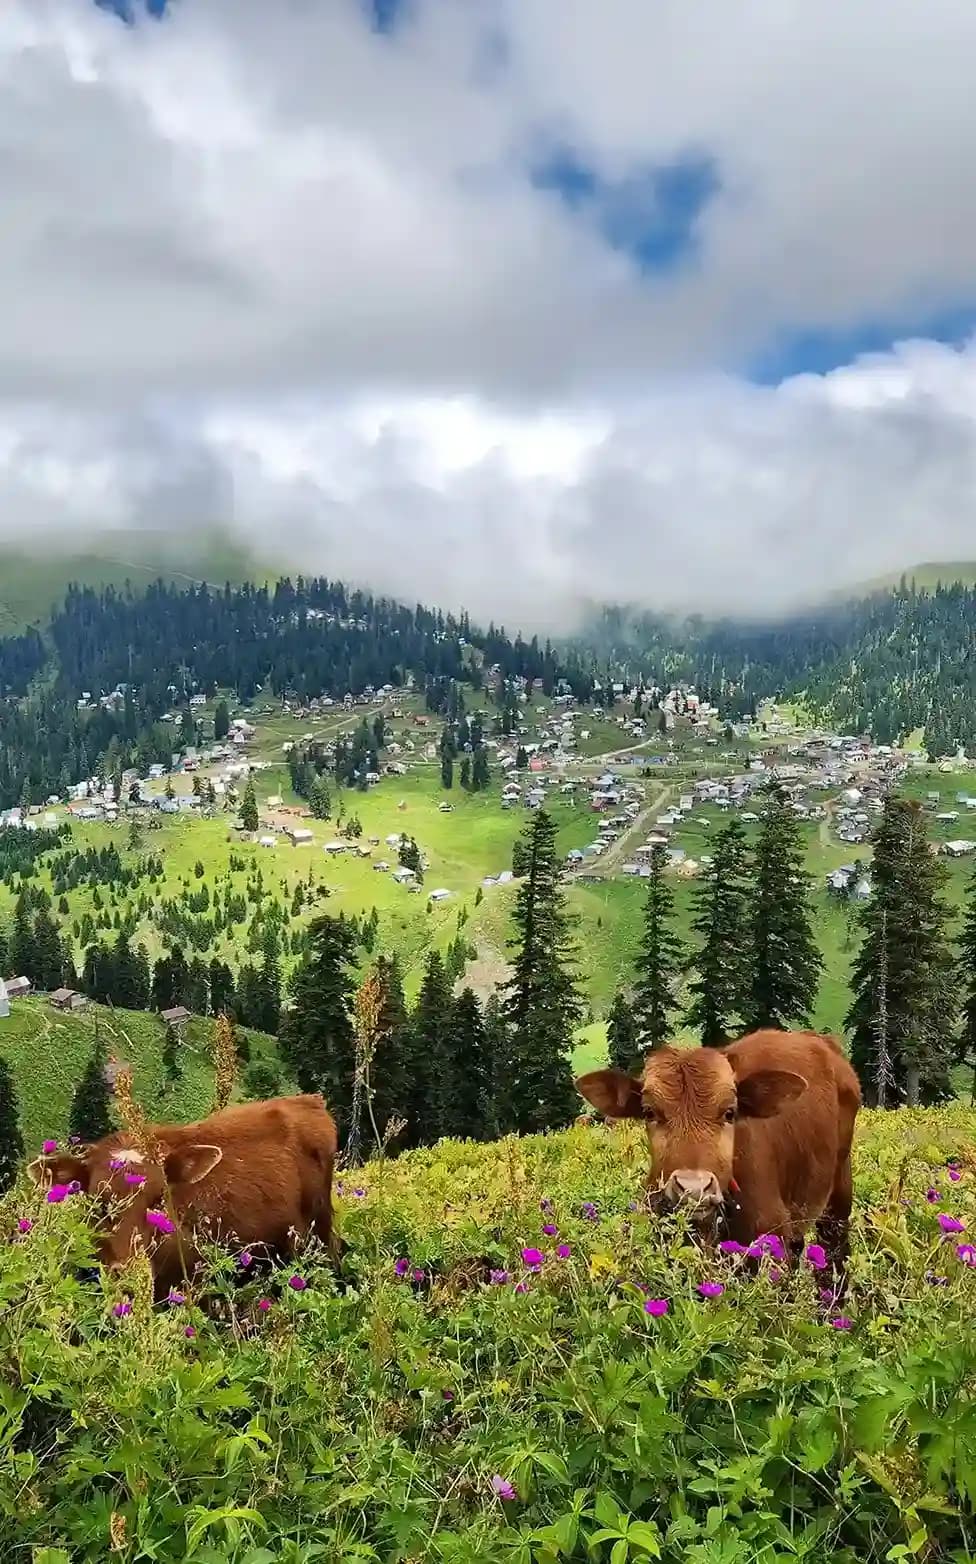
(615, 1095)
(59, 1169)
(766, 1092)
(189, 1164)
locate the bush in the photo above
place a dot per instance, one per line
(389, 1421)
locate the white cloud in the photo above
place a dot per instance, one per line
(715, 496)
(262, 267)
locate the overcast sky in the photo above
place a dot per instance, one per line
(501, 303)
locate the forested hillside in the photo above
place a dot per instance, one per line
(888, 664)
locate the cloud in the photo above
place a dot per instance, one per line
(462, 307)
(717, 496)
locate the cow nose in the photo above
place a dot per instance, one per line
(690, 1187)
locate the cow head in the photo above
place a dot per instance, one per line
(128, 1193)
(690, 1101)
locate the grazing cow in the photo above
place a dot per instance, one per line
(749, 1139)
(258, 1174)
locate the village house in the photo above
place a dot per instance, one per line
(299, 835)
(18, 987)
(68, 999)
(177, 1016)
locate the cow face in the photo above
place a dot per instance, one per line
(128, 1195)
(690, 1101)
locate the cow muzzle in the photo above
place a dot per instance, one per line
(694, 1191)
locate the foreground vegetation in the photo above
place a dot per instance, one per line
(466, 1398)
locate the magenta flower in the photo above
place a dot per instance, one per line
(402, 1267)
(501, 1488)
(135, 1178)
(711, 1289)
(116, 1164)
(563, 1251)
(951, 1224)
(174, 1298)
(56, 1194)
(74, 1140)
(447, 1395)
(954, 1175)
(49, 1146)
(550, 1229)
(245, 1259)
(264, 1305)
(589, 1210)
(418, 1274)
(521, 1287)
(771, 1244)
(967, 1254)
(74, 1188)
(656, 1308)
(297, 1283)
(189, 1332)
(828, 1296)
(932, 1196)
(729, 1246)
(841, 1323)
(499, 1278)
(121, 1309)
(24, 1225)
(816, 1257)
(160, 1221)
(533, 1258)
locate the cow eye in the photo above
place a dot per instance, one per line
(652, 1116)
(729, 1115)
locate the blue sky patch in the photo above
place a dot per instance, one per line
(803, 352)
(650, 215)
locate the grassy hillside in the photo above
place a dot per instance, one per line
(48, 1052)
(33, 582)
(486, 1409)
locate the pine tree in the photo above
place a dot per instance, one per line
(785, 963)
(389, 1078)
(721, 921)
(498, 1054)
(316, 1034)
(542, 1004)
(623, 1047)
(90, 1117)
(20, 943)
(11, 1139)
(430, 1086)
(480, 774)
(658, 963)
(221, 720)
(249, 807)
(902, 1017)
(470, 1070)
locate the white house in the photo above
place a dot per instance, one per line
(299, 836)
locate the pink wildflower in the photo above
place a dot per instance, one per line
(160, 1221)
(56, 1194)
(135, 1178)
(711, 1289)
(966, 1253)
(816, 1257)
(656, 1307)
(729, 1246)
(550, 1229)
(951, 1224)
(402, 1267)
(841, 1323)
(24, 1225)
(499, 1278)
(264, 1305)
(954, 1175)
(501, 1488)
(297, 1283)
(563, 1251)
(49, 1146)
(189, 1332)
(121, 1309)
(533, 1258)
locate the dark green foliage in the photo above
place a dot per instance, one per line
(623, 1046)
(262, 1081)
(966, 970)
(785, 963)
(221, 720)
(316, 1034)
(659, 962)
(11, 1139)
(902, 1016)
(430, 1086)
(471, 1110)
(249, 807)
(90, 1116)
(542, 1004)
(720, 966)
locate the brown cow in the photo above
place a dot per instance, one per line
(757, 1134)
(259, 1174)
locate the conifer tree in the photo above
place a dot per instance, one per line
(249, 807)
(11, 1139)
(966, 968)
(430, 1084)
(720, 965)
(470, 1070)
(902, 1016)
(623, 1048)
(316, 1033)
(660, 960)
(785, 963)
(20, 945)
(90, 1117)
(542, 1003)
(498, 1053)
(221, 720)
